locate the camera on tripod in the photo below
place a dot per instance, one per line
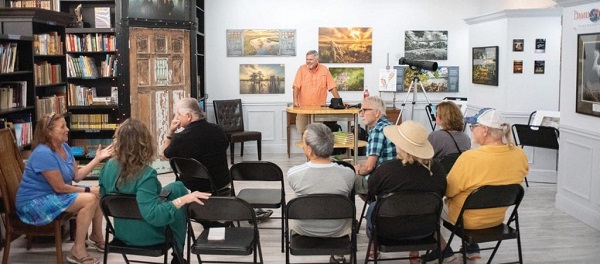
(425, 65)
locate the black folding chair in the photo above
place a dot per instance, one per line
(320, 207)
(485, 197)
(536, 136)
(406, 221)
(261, 171)
(237, 241)
(196, 177)
(124, 206)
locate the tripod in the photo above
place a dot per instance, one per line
(414, 85)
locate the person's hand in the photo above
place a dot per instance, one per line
(296, 104)
(95, 190)
(106, 152)
(196, 197)
(174, 126)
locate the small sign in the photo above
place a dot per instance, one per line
(540, 45)
(102, 17)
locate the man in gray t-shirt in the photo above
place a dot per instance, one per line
(320, 175)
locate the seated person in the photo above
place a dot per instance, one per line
(379, 148)
(414, 170)
(203, 141)
(496, 162)
(47, 189)
(129, 172)
(444, 142)
(320, 175)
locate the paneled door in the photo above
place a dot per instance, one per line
(160, 75)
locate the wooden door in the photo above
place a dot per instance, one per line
(160, 75)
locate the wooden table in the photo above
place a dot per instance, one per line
(320, 114)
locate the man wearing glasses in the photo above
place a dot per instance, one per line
(379, 148)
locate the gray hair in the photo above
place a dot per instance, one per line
(377, 103)
(313, 52)
(320, 139)
(191, 106)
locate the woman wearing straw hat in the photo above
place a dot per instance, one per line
(414, 170)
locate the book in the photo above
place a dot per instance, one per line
(102, 17)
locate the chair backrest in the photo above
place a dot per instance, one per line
(229, 115)
(321, 206)
(493, 196)
(189, 171)
(120, 206)
(407, 214)
(536, 136)
(11, 169)
(221, 209)
(256, 171)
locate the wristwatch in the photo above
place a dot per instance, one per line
(87, 189)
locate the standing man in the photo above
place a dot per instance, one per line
(379, 147)
(311, 84)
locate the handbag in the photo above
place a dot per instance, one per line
(449, 160)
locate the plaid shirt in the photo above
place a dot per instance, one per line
(378, 144)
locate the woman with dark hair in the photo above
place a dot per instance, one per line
(129, 172)
(46, 189)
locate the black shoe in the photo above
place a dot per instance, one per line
(262, 215)
(337, 259)
(472, 251)
(435, 254)
(175, 260)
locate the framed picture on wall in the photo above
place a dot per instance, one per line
(588, 74)
(485, 65)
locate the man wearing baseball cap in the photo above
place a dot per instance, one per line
(496, 162)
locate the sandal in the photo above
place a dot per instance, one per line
(84, 260)
(99, 246)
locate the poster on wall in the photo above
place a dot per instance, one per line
(443, 80)
(518, 45)
(262, 78)
(261, 42)
(387, 80)
(345, 45)
(348, 79)
(517, 66)
(426, 45)
(539, 67)
(485, 65)
(540, 45)
(588, 74)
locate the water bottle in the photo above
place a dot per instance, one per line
(366, 92)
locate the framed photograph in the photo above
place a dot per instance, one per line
(261, 42)
(485, 65)
(588, 74)
(426, 44)
(540, 45)
(443, 80)
(345, 45)
(546, 118)
(348, 79)
(262, 78)
(539, 67)
(517, 66)
(166, 10)
(518, 45)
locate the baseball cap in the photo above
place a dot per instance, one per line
(488, 117)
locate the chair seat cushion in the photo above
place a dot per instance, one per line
(261, 198)
(238, 241)
(118, 246)
(244, 136)
(304, 245)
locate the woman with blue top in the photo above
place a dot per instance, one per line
(47, 189)
(129, 172)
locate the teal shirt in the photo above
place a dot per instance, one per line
(157, 214)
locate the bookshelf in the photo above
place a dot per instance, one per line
(16, 81)
(198, 42)
(92, 57)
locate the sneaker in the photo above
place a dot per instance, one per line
(472, 252)
(262, 215)
(337, 259)
(434, 255)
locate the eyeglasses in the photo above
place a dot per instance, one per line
(363, 110)
(473, 126)
(49, 121)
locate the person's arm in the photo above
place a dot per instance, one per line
(296, 93)
(101, 154)
(366, 167)
(334, 92)
(55, 179)
(172, 128)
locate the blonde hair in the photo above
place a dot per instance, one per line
(408, 159)
(135, 148)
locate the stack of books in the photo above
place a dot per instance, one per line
(340, 137)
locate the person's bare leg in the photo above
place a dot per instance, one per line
(96, 235)
(85, 206)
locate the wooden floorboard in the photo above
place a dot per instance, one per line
(548, 235)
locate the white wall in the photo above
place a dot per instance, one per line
(388, 18)
(579, 169)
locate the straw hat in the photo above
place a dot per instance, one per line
(411, 137)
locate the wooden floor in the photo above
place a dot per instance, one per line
(548, 235)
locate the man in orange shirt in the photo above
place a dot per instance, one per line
(311, 84)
